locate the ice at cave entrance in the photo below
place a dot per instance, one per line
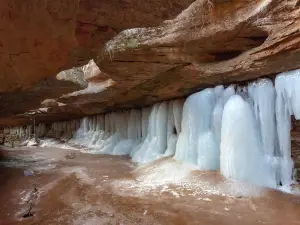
(242, 131)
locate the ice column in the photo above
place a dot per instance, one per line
(241, 155)
(263, 96)
(196, 120)
(287, 103)
(174, 125)
(199, 141)
(155, 144)
(218, 112)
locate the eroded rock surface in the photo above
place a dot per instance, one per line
(169, 50)
(206, 45)
(40, 38)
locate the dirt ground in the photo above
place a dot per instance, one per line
(84, 189)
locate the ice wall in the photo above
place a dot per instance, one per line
(22, 131)
(243, 131)
(144, 134)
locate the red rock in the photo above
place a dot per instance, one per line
(208, 43)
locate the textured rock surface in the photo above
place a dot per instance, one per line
(208, 43)
(40, 38)
(232, 42)
(295, 134)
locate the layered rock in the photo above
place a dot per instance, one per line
(207, 44)
(162, 56)
(40, 38)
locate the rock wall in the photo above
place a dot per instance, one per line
(39, 38)
(146, 52)
(295, 136)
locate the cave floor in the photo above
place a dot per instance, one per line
(85, 189)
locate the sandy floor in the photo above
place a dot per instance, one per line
(83, 189)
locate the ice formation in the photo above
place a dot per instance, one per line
(242, 131)
(27, 131)
(287, 104)
(199, 141)
(242, 157)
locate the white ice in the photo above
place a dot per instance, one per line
(287, 103)
(241, 155)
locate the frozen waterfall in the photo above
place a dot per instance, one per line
(242, 156)
(242, 131)
(199, 141)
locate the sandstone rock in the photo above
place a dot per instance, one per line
(210, 43)
(165, 54)
(40, 38)
(36, 38)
